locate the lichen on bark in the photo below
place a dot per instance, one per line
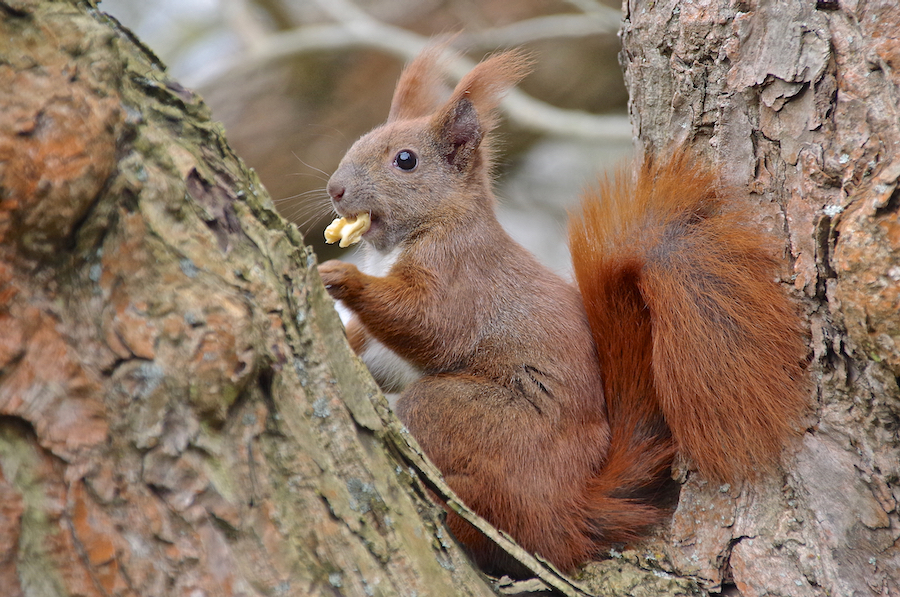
(179, 409)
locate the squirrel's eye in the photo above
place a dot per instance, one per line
(406, 160)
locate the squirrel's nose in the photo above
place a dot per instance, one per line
(336, 190)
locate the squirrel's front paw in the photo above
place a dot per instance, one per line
(335, 275)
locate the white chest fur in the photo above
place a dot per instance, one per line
(376, 263)
(389, 369)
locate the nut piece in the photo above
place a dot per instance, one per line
(348, 230)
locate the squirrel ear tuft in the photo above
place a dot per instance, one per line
(488, 82)
(463, 121)
(421, 87)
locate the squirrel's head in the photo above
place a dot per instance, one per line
(430, 161)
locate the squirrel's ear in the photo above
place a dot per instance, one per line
(421, 88)
(459, 132)
(469, 115)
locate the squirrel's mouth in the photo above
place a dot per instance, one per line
(372, 219)
(352, 215)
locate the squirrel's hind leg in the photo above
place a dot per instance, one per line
(508, 461)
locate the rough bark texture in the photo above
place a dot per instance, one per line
(179, 411)
(797, 100)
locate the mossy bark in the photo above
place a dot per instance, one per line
(179, 410)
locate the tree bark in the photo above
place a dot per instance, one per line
(180, 413)
(797, 101)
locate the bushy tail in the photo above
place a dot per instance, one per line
(697, 343)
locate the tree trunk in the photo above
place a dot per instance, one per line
(797, 101)
(180, 413)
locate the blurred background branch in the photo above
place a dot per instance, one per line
(296, 81)
(353, 28)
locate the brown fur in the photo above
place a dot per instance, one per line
(510, 405)
(726, 344)
(419, 90)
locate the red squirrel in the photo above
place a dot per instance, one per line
(556, 412)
